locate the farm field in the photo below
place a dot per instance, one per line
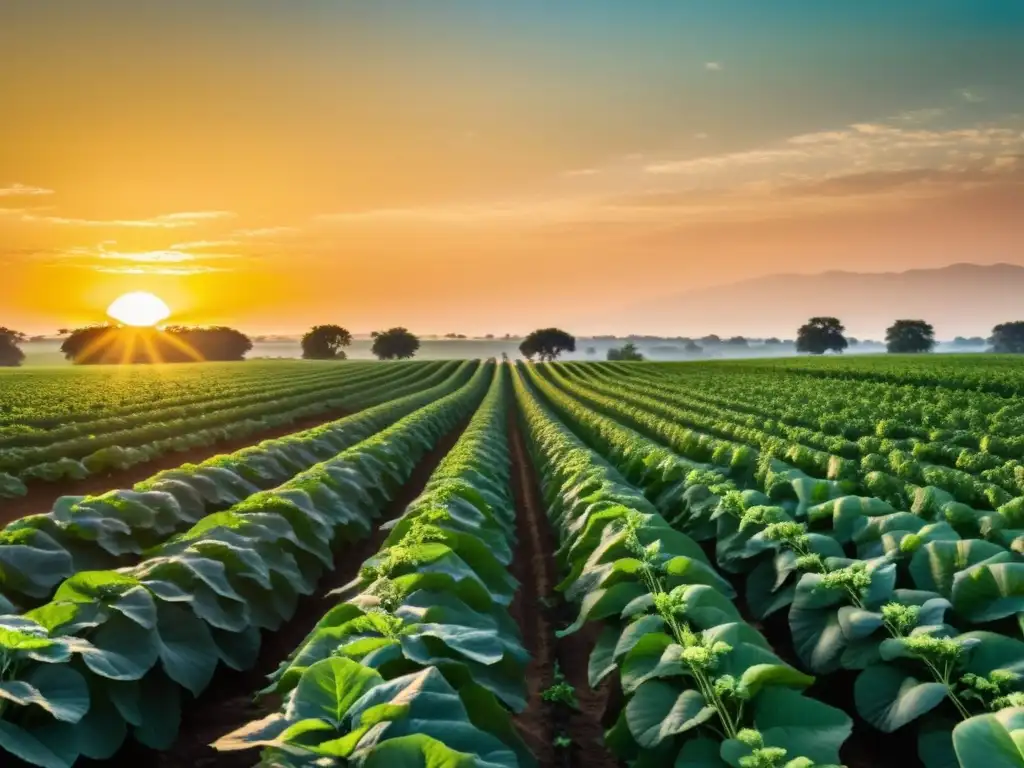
(756, 564)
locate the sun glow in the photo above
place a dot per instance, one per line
(139, 309)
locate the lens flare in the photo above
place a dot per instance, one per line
(139, 309)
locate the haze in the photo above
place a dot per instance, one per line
(487, 166)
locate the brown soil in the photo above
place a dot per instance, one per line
(42, 495)
(228, 702)
(535, 568)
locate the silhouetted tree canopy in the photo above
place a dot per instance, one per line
(627, 351)
(10, 351)
(394, 344)
(771, 340)
(693, 348)
(819, 335)
(712, 338)
(325, 342)
(1008, 338)
(737, 341)
(547, 344)
(174, 344)
(908, 336)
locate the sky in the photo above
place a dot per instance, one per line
(490, 166)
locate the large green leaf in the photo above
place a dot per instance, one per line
(889, 699)
(804, 727)
(989, 592)
(185, 647)
(991, 741)
(327, 690)
(935, 565)
(660, 710)
(22, 744)
(57, 688)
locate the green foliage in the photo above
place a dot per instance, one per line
(909, 336)
(325, 342)
(819, 335)
(394, 344)
(547, 344)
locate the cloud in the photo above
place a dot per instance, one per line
(197, 269)
(202, 245)
(713, 66)
(971, 97)
(21, 190)
(163, 221)
(264, 232)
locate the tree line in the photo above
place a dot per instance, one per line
(119, 344)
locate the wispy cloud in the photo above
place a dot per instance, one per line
(204, 245)
(971, 97)
(105, 258)
(22, 190)
(264, 232)
(163, 221)
(713, 66)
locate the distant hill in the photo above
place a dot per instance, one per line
(959, 300)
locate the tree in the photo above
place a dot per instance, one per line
(325, 342)
(737, 341)
(819, 335)
(394, 344)
(627, 352)
(909, 336)
(174, 344)
(693, 348)
(11, 355)
(771, 341)
(710, 339)
(547, 344)
(1008, 338)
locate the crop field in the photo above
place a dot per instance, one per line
(748, 564)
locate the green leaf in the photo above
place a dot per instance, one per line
(660, 710)
(700, 753)
(802, 726)
(57, 688)
(991, 741)
(989, 592)
(185, 647)
(889, 699)
(418, 751)
(329, 688)
(22, 744)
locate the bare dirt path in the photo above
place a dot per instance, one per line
(42, 496)
(228, 703)
(539, 613)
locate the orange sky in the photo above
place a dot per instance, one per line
(491, 167)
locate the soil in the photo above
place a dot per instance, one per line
(42, 495)
(228, 702)
(540, 612)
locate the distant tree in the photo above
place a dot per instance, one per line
(771, 341)
(1008, 338)
(819, 335)
(547, 344)
(693, 348)
(489, 336)
(627, 352)
(591, 350)
(909, 336)
(973, 341)
(852, 341)
(173, 344)
(710, 339)
(11, 355)
(737, 341)
(325, 342)
(394, 344)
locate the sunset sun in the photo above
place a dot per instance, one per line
(139, 309)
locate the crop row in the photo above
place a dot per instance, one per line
(119, 450)
(420, 663)
(114, 529)
(48, 397)
(227, 395)
(114, 651)
(848, 408)
(896, 597)
(41, 462)
(702, 685)
(897, 478)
